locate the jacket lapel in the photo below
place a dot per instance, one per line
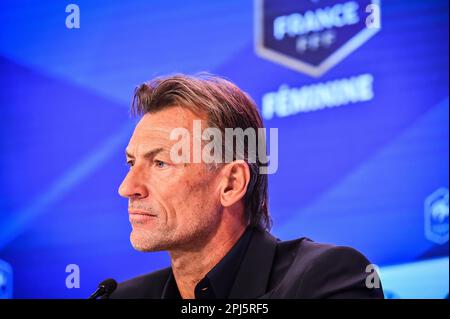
(253, 275)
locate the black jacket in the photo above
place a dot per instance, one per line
(271, 268)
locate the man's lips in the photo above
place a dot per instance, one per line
(138, 216)
(137, 212)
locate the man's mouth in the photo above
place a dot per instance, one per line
(140, 212)
(140, 217)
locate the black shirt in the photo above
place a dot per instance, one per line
(218, 281)
(265, 267)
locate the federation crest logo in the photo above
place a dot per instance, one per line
(312, 36)
(436, 216)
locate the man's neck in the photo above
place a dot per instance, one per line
(190, 267)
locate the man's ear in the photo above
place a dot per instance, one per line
(236, 176)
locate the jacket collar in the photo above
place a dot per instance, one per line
(253, 275)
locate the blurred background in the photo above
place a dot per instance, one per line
(361, 109)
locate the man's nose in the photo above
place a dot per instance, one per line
(133, 186)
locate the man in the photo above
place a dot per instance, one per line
(213, 218)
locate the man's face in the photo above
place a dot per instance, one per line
(171, 206)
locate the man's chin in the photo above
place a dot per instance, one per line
(143, 243)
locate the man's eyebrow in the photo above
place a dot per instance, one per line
(148, 154)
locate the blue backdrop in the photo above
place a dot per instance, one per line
(372, 174)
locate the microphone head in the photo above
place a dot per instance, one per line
(108, 285)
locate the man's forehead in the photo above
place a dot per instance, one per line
(154, 129)
(145, 138)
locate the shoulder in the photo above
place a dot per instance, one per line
(149, 285)
(320, 253)
(328, 271)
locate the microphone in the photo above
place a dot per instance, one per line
(104, 289)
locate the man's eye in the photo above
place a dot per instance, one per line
(160, 164)
(130, 164)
